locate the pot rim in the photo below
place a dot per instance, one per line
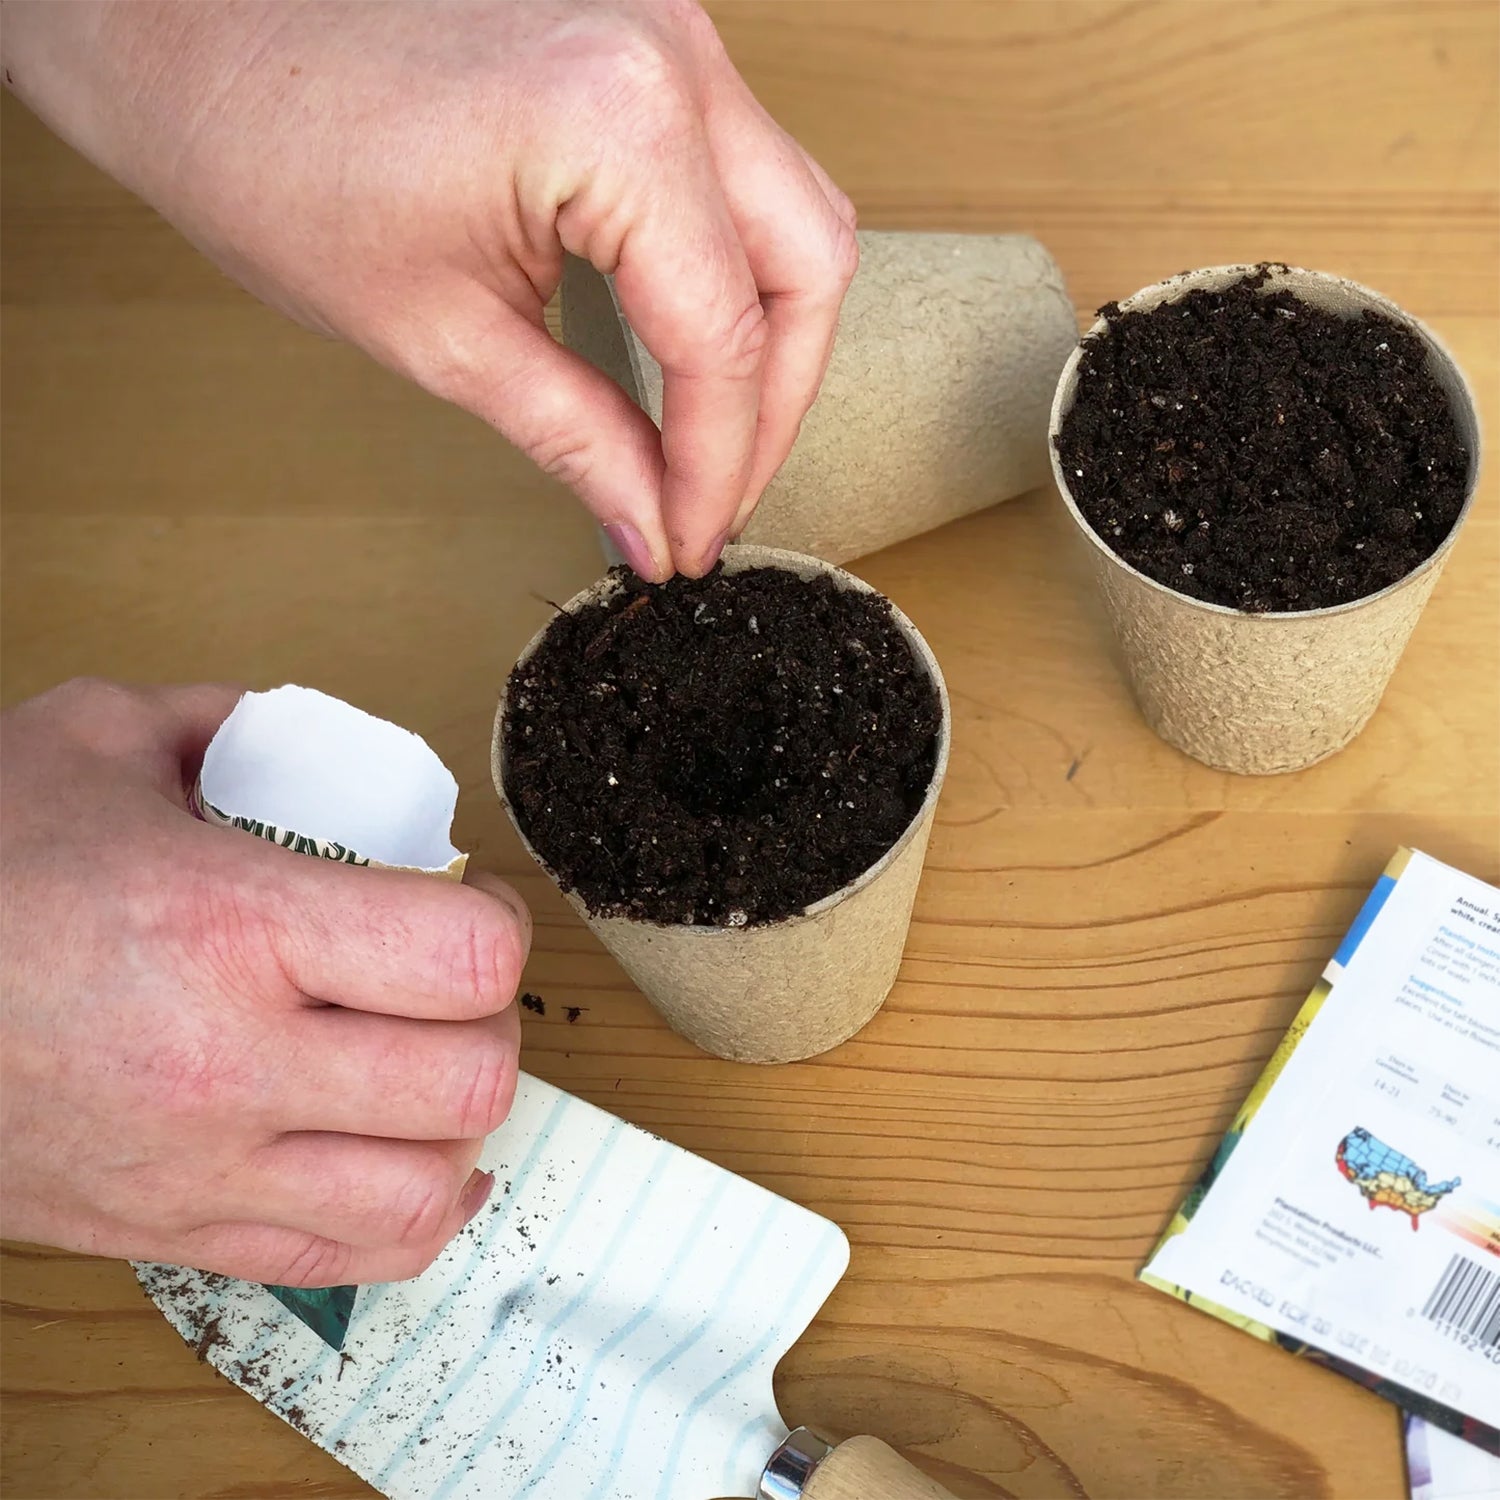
(1461, 394)
(746, 556)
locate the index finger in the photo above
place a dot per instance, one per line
(389, 941)
(687, 290)
(797, 231)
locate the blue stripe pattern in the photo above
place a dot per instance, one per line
(544, 1253)
(657, 1248)
(738, 1368)
(541, 1350)
(542, 1467)
(460, 1279)
(755, 1427)
(370, 1297)
(726, 1292)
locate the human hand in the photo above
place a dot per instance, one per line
(407, 177)
(219, 1054)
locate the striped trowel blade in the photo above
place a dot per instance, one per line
(605, 1329)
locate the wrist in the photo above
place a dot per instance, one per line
(106, 75)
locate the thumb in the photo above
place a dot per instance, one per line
(572, 421)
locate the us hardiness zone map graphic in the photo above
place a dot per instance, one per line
(1387, 1178)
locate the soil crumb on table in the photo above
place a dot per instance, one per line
(721, 751)
(1247, 449)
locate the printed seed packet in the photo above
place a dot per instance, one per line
(1352, 1212)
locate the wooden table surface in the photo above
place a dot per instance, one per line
(1109, 938)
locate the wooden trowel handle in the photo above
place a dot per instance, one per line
(865, 1469)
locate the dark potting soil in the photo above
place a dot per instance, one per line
(1247, 449)
(720, 751)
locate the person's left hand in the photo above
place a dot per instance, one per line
(212, 1052)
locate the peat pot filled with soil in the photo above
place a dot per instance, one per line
(1270, 467)
(733, 781)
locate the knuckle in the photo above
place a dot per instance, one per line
(101, 714)
(740, 347)
(565, 455)
(212, 950)
(441, 359)
(315, 1262)
(695, 22)
(844, 252)
(528, 408)
(85, 689)
(488, 958)
(486, 1089)
(843, 204)
(224, 937)
(638, 78)
(619, 70)
(422, 1204)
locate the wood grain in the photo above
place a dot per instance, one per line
(1109, 938)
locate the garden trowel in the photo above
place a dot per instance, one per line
(605, 1329)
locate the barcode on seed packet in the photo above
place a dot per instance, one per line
(1466, 1301)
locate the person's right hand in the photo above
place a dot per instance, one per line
(408, 175)
(219, 1054)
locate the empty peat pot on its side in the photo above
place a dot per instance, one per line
(772, 986)
(1259, 690)
(934, 402)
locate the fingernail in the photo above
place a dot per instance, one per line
(743, 515)
(631, 545)
(476, 1190)
(715, 550)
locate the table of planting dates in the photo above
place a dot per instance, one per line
(1109, 938)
